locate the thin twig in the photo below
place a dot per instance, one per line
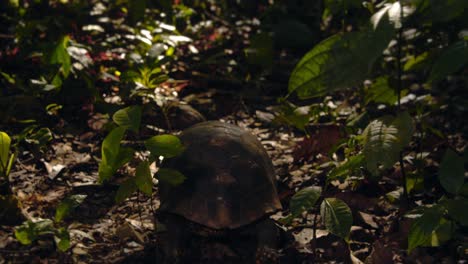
(404, 200)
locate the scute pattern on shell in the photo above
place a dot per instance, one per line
(230, 178)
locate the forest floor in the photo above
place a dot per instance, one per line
(104, 232)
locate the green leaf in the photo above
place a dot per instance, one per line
(170, 176)
(59, 55)
(167, 146)
(380, 92)
(451, 172)
(143, 178)
(352, 164)
(124, 156)
(126, 189)
(384, 138)
(380, 145)
(293, 115)
(129, 117)
(458, 210)
(441, 11)
(416, 63)
(292, 33)
(337, 217)
(451, 60)
(404, 123)
(5, 142)
(136, 10)
(393, 13)
(110, 151)
(327, 66)
(304, 200)
(422, 228)
(68, 205)
(414, 182)
(443, 233)
(260, 51)
(62, 239)
(30, 231)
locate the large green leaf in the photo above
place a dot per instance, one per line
(143, 178)
(451, 172)
(339, 61)
(110, 151)
(393, 13)
(422, 228)
(337, 217)
(126, 189)
(458, 210)
(59, 55)
(167, 146)
(129, 117)
(170, 176)
(62, 239)
(380, 145)
(292, 33)
(443, 233)
(260, 51)
(5, 142)
(384, 138)
(124, 156)
(304, 200)
(451, 60)
(344, 170)
(381, 92)
(404, 123)
(136, 10)
(293, 115)
(434, 11)
(30, 231)
(68, 205)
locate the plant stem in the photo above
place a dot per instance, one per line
(404, 200)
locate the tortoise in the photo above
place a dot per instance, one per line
(229, 189)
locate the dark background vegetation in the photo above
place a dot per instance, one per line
(362, 106)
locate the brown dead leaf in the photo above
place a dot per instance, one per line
(381, 254)
(321, 140)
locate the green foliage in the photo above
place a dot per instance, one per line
(167, 146)
(126, 189)
(457, 210)
(67, 206)
(423, 228)
(143, 178)
(62, 239)
(391, 13)
(292, 115)
(6, 160)
(113, 156)
(451, 172)
(260, 51)
(59, 56)
(326, 67)
(128, 118)
(345, 169)
(337, 217)
(452, 59)
(383, 140)
(304, 200)
(381, 92)
(170, 176)
(30, 231)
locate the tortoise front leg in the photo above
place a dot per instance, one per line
(268, 236)
(175, 246)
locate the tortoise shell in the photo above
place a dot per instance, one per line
(230, 180)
